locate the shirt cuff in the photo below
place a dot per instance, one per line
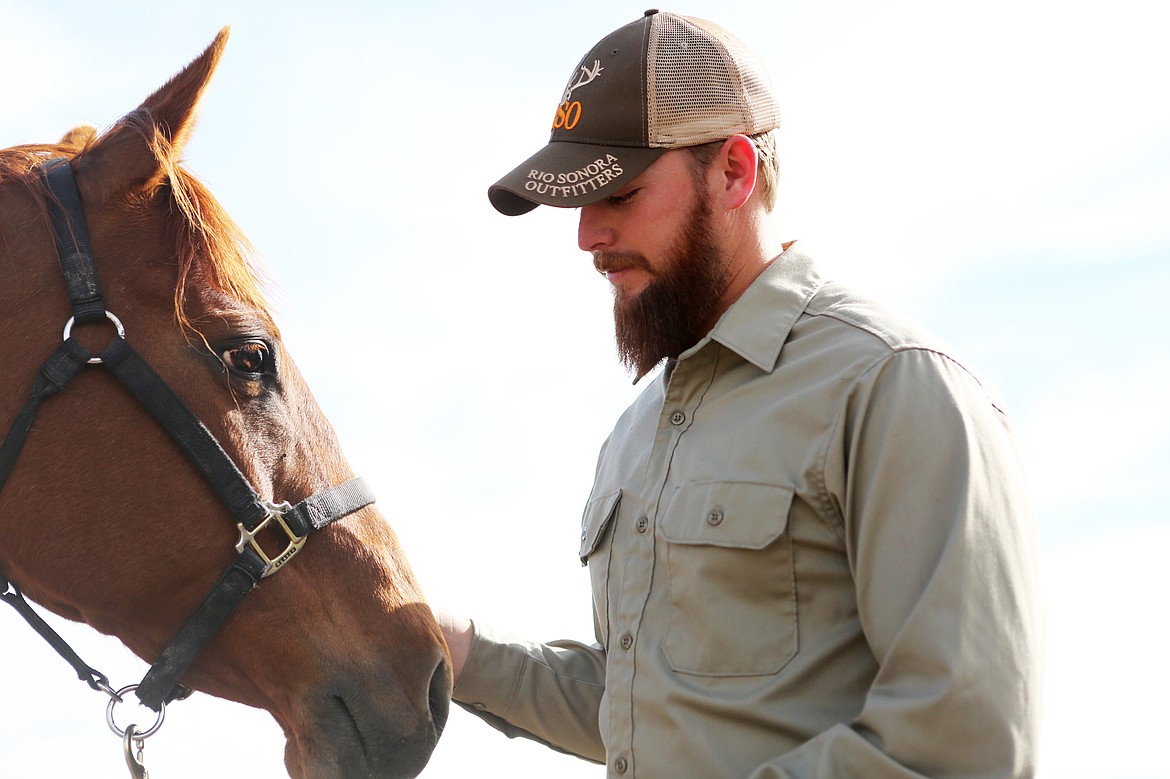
(491, 676)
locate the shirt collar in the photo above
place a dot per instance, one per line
(757, 325)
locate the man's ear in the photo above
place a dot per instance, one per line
(737, 161)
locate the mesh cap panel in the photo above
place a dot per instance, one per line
(703, 84)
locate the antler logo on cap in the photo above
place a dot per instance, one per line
(569, 113)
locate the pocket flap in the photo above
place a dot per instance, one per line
(745, 515)
(599, 512)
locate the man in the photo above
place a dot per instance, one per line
(809, 546)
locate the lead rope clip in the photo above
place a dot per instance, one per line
(133, 748)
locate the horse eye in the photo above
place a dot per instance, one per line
(252, 357)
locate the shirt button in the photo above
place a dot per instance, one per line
(620, 765)
(643, 524)
(627, 641)
(677, 418)
(715, 516)
(479, 707)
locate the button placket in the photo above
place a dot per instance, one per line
(682, 394)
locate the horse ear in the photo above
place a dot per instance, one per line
(79, 136)
(139, 149)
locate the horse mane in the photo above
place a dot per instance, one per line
(210, 248)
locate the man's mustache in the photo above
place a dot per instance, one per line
(605, 262)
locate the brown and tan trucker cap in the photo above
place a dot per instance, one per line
(662, 82)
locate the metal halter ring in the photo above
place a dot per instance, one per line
(117, 324)
(138, 735)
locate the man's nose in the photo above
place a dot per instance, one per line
(593, 232)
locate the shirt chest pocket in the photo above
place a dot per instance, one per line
(732, 583)
(596, 545)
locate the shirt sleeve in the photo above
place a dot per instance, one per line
(550, 693)
(925, 475)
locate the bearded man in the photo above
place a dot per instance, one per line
(810, 548)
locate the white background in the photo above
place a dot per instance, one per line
(998, 170)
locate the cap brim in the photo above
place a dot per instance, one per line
(569, 175)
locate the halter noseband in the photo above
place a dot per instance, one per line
(252, 514)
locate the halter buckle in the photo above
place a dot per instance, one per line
(274, 511)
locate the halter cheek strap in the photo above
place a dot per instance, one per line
(252, 514)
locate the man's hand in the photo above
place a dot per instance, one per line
(458, 632)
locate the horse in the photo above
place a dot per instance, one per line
(105, 520)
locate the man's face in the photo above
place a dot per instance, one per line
(654, 239)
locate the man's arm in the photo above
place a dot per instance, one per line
(550, 693)
(941, 542)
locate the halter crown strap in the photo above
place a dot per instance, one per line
(68, 219)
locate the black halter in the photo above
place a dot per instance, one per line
(252, 514)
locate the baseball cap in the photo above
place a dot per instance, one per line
(662, 82)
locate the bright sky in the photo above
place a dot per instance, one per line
(998, 170)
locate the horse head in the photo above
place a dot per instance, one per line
(103, 520)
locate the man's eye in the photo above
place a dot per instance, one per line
(619, 200)
(253, 357)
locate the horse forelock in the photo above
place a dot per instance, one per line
(212, 250)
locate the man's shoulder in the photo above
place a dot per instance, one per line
(853, 334)
(843, 309)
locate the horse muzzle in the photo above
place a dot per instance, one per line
(362, 728)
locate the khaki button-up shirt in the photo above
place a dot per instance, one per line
(811, 555)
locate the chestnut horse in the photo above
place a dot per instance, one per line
(104, 520)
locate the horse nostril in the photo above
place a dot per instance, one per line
(440, 696)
